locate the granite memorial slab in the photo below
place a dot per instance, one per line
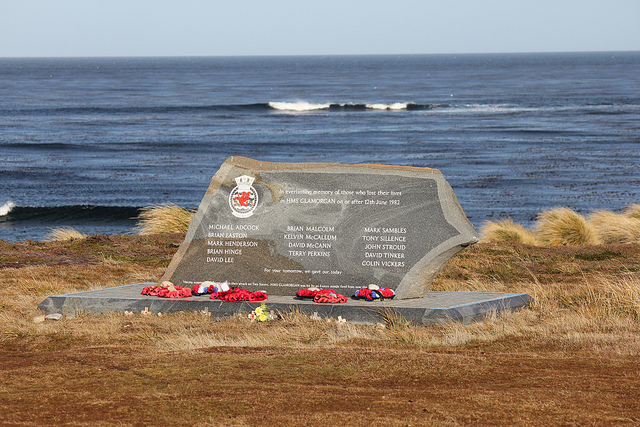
(281, 227)
(435, 307)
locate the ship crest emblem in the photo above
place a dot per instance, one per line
(243, 199)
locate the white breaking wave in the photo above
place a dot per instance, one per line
(394, 106)
(6, 208)
(297, 106)
(308, 106)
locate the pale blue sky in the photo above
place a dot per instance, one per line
(297, 27)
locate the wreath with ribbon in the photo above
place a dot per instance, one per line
(239, 294)
(166, 290)
(321, 295)
(373, 294)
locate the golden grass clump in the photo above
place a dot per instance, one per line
(64, 233)
(506, 231)
(563, 226)
(164, 219)
(613, 228)
(633, 211)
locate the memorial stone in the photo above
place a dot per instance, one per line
(282, 227)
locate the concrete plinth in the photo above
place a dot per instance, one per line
(435, 307)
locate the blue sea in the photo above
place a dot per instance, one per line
(87, 142)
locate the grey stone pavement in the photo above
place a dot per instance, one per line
(435, 307)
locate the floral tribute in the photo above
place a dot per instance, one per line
(321, 295)
(371, 293)
(166, 290)
(239, 294)
(261, 314)
(208, 287)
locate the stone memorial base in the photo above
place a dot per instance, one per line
(435, 307)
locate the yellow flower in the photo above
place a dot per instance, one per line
(259, 310)
(262, 317)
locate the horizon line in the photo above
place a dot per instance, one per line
(316, 55)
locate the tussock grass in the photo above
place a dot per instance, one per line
(563, 226)
(164, 219)
(613, 228)
(64, 233)
(506, 231)
(633, 211)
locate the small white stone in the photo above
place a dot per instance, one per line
(38, 319)
(373, 287)
(54, 316)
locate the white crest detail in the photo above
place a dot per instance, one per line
(243, 199)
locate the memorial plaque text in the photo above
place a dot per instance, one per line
(281, 227)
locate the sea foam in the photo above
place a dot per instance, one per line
(309, 106)
(6, 208)
(394, 106)
(297, 106)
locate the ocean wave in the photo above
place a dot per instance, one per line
(10, 213)
(298, 106)
(295, 106)
(348, 106)
(302, 106)
(6, 208)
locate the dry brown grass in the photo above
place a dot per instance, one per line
(164, 219)
(577, 346)
(506, 231)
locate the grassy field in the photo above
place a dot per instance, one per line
(571, 358)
